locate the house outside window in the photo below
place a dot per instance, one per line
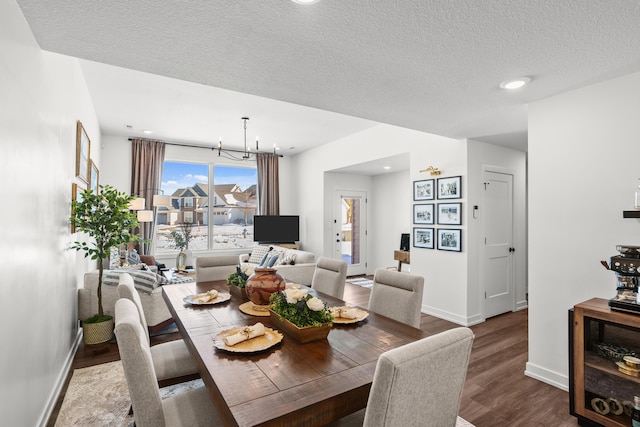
(219, 210)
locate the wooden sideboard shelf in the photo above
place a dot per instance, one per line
(593, 376)
(402, 257)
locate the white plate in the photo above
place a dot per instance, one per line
(222, 297)
(360, 316)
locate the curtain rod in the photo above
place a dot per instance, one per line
(212, 148)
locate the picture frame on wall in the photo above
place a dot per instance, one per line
(449, 239)
(94, 178)
(423, 214)
(450, 213)
(83, 150)
(450, 188)
(423, 238)
(423, 190)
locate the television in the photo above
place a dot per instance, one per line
(276, 228)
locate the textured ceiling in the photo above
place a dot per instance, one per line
(429, 65)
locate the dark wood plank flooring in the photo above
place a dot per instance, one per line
(496, 392)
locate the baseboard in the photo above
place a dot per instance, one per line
(452, 317)
(522, 305)
(546, 376)
(62, 377)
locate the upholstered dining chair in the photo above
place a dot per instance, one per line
(397, 295)
(420, 384)
(171, 360)
(329, 276)
(190, 408)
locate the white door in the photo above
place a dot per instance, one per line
(497, 222)
(350, 230)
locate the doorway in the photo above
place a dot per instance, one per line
(350, 230)
(497, 254)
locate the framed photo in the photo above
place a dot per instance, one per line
(423, 214)
(94, 176)
(423, 190)
(449, 188)
(449, 240)
(83, 149)
(450, 213)
(423, 238)
(76, 195)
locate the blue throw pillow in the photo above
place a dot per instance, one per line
(272, 260)
(263, 260)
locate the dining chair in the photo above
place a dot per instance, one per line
(172, 361)
(330, 276)
(190, 408)
(397, 295)
(420, 383)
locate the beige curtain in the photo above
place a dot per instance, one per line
(147, 161)
(268, 184)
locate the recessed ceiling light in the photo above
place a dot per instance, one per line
(147, 131)
(305, 1)
(515, 83)
(386, 167)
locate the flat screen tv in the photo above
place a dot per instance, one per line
(276, 228)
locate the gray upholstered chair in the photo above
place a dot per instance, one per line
(420, 384)
(397, 295)
(172, 361)
(329, 276)
(191, 408)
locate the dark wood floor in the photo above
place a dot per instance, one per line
(496, 392)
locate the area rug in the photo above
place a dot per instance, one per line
(98, 396)
(361, 281)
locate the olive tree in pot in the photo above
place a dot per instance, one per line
(105, 217)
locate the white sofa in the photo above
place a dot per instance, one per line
(155, 309)
(209, 268)
(294, 265)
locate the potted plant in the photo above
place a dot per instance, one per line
(238, 280)
(304, 317)
(181, 239)
(105, 217)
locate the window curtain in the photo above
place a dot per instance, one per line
(147, 160)
(268, 183)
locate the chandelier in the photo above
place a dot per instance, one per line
(242, 155)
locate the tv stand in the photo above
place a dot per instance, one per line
(290, 245)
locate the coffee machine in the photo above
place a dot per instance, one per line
(626, 265)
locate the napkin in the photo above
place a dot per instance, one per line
(206, 297)
(344, 312)
(245, 334)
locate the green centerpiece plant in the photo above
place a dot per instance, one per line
(300, 308)
(105, 217)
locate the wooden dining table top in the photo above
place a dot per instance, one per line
(291, 383)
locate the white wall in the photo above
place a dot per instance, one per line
(42, 97)
(391, 200)
(583, 170)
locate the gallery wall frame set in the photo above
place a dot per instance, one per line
(447, 213)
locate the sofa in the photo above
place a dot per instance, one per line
(209, 268)
(293, 265)
(149, 289)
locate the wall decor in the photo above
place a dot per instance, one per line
(76, 196)
(450, 213)
(423, 190)
(94, 177)
(449, 240)
(423, 214)
(423, 238)
(83, 149)
(449, 188)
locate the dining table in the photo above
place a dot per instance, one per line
(289, 383)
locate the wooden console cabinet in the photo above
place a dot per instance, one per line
(593, 376)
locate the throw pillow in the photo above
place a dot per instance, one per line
(133, 258)
(272, 260)
(289, 258)
(264, 260)
(257, 253)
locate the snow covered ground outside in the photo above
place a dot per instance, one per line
(228, 236)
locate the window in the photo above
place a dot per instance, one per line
(219, 214)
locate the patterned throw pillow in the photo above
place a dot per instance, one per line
(257, 253)
(288, 258)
